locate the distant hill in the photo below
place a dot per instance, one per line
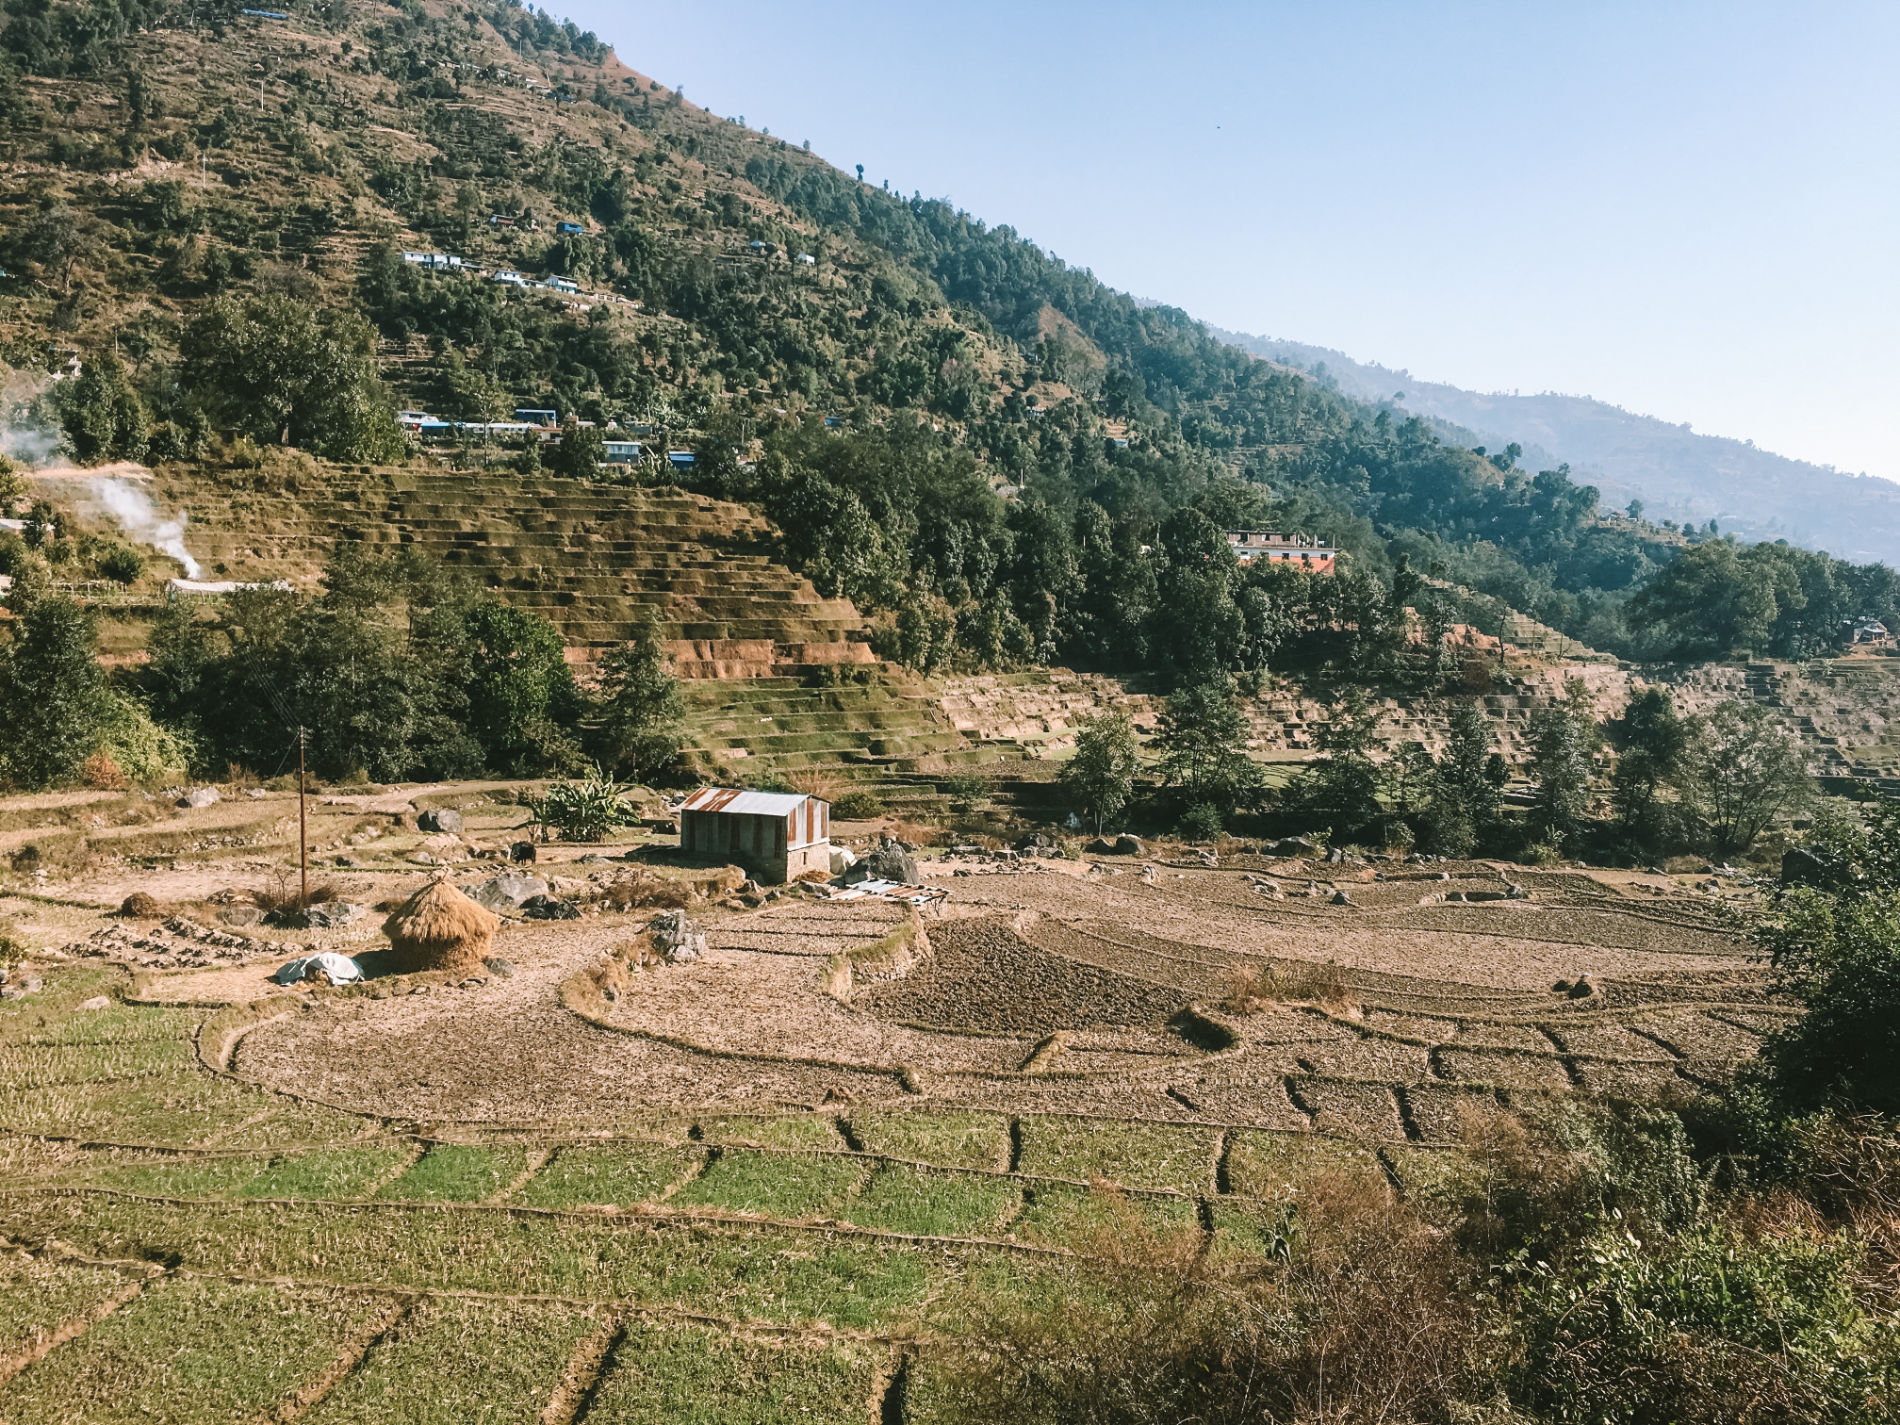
(1676, 473)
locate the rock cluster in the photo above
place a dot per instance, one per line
(677, 940)
(178, 944)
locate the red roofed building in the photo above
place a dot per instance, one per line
(1315, 556)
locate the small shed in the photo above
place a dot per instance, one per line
(776, 835)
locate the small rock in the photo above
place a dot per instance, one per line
(1802, 867)
(256, 793)
(139, 906)
(1126, 845)
(522, 853)
(444, 819)
(240, 915)
(422, 858)
(1341, 898)
(21, 987)
(199, 797)
(96, 1002)
(545, 907)
(499, 967)
(1584, 988)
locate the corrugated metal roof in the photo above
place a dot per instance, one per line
(745, 803)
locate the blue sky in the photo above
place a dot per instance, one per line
(1689, 210)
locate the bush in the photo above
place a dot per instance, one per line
(122, 564)
(1350, 1311)
(1203, 822)
(1710, 1326)
(858, 806)
(586, 810)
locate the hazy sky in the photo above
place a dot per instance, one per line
(1689, 210)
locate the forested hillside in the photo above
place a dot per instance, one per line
(996, 455)
(1677, 473)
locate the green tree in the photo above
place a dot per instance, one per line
(1709, 601)
(54, 702)
(521, 695)
(1562, 738)
(1651, 740)
(1742, 768)
(1100, 777)
(1203, 746)
(642, 710)
(1467, 783)
(1341, 788)
(287, 372)
(102, 415)
(581, 450)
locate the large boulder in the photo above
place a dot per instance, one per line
(507, 891)
(442, 819)
(890, 862)
(199, 797)
(1803, 867)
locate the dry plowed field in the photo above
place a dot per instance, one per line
(740, 1191)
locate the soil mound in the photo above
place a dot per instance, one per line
(984, 976)
(439, 928)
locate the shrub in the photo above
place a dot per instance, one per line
(1709, 1326)
(1203, 822)
(101, 773)
(122, 564)
(858, 806)
(586, 810)
(1349, 1312)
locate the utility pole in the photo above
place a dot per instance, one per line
(303, 845)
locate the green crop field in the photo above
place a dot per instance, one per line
(369, 1275)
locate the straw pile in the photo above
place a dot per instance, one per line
(439, 928)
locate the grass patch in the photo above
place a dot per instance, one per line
(958, 1140)
(779, 1131)
(452, 1362)
(1128, 1154)
(457, 1172)
(1248, 1233)
(1059, 1216)
(180, 1177)
(779, 1184)
(771, 1273)
(599, 1177)
(180, 1111)
(27, 1066)
(1438, 1182)
(688, 1376)
(1276, 1166)
(35, 1296)
(187, 1351)
(329, 1173)
(900, 1199)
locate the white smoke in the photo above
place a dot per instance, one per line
(25, 433)
(120, 492)
(139, 517)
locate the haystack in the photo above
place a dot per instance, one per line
(439, 928)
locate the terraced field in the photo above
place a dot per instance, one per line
(747, 1191)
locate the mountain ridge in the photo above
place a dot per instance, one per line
(1679, 474)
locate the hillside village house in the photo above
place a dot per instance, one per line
(1314, 555)
(775, 835)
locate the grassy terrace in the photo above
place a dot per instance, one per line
(187, 1247)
